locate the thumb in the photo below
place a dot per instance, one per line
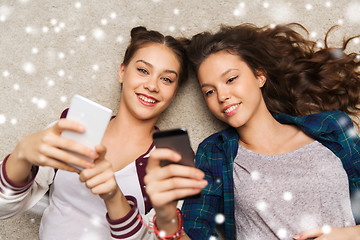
(160, 154)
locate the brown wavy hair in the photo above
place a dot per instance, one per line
(301, 77)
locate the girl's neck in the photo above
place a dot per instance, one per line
(126, 126)
(264, 135)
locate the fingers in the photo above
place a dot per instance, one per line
(57, 164)
(161, 154)
(62, 157)
(160, 199)
(66, 124)
(312, 233)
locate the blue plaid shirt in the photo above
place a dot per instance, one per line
(215, 156)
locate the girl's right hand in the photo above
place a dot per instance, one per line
(46, 148)
(165, 185)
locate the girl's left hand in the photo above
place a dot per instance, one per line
(330, 233)
(100, 179)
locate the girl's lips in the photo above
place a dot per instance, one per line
(231, 109)
(147, 100)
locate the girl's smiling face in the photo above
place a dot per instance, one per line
(231, 90)
(150, 81)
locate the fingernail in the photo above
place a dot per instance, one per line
(202, 183)
(93, 154)
(89, 165)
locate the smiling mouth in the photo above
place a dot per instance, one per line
(147, 100)
(231, 110)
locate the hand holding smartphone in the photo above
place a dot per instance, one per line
(93, 116)
(177, 140)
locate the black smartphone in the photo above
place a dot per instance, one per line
(177, 140)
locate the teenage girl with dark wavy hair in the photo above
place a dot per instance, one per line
(290, 160)
(109, 201)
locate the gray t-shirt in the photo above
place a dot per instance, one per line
(278, 196)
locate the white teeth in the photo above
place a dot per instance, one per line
(145, 99)
(232, 108)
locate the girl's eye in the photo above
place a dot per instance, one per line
(231, 79)
(142, 70)
(208, 93)
(168, 80)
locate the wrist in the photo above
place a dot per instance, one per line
(169, 230)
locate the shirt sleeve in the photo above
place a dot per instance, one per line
(133, 225)
(199, 214)
(15, 198)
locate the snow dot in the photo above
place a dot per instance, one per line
(176, 11)
(287, 196)
(212, 238)
(113, 15)
(72, 51)
(2, 119)
(96, 221)
(309, 6)
(29, 29)
(104, 21)
(61, 55)
(61, 73)
(16, 87)
(51, 83)
(340, 21)
(255, 175)
(326, 229)
(78, 5)
(328, 4)
(29, 68)
(82, 38)
(266, 4)
(63, 99)
(95, 67)
(45, 29)
(240, 10)
(57, 29)
(358, 56)
(272, 26)
(98, 34)
(34, 50)
(53, 21)
(156, 0)
(219, 218)
(13, 121)
(319, 44)
(313, 34)
(5, 12)
(5, 73)
(172, 28)
(356, 40)
(352, 12)
(23, 1)
(162, 233)
(32, 220)
(351, 132)
(261, 205)
(119, 39)
(41, 103)
(62, 25)
(218, 181)
(281, 233)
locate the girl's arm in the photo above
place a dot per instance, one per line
(330, 233)
(165, 185)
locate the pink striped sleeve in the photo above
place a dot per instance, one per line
(128, 225)
(8, 187)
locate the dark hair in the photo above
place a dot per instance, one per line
(141, 37)
(301, 77)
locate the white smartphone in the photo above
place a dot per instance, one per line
(93, 116)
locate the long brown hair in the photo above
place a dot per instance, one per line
(140, 37)
(301, 77)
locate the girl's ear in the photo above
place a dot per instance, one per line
(261, 79)
(121, 73)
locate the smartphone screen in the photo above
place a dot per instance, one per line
(177, 140)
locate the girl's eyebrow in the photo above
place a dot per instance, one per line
(222, 75)
(151, 66)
